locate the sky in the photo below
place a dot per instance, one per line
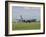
(26, 12)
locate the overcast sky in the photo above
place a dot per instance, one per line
(26, 12)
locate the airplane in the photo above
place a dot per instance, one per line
(26, 21)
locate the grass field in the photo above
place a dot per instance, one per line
(25, 26)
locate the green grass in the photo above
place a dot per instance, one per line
(25, 26)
